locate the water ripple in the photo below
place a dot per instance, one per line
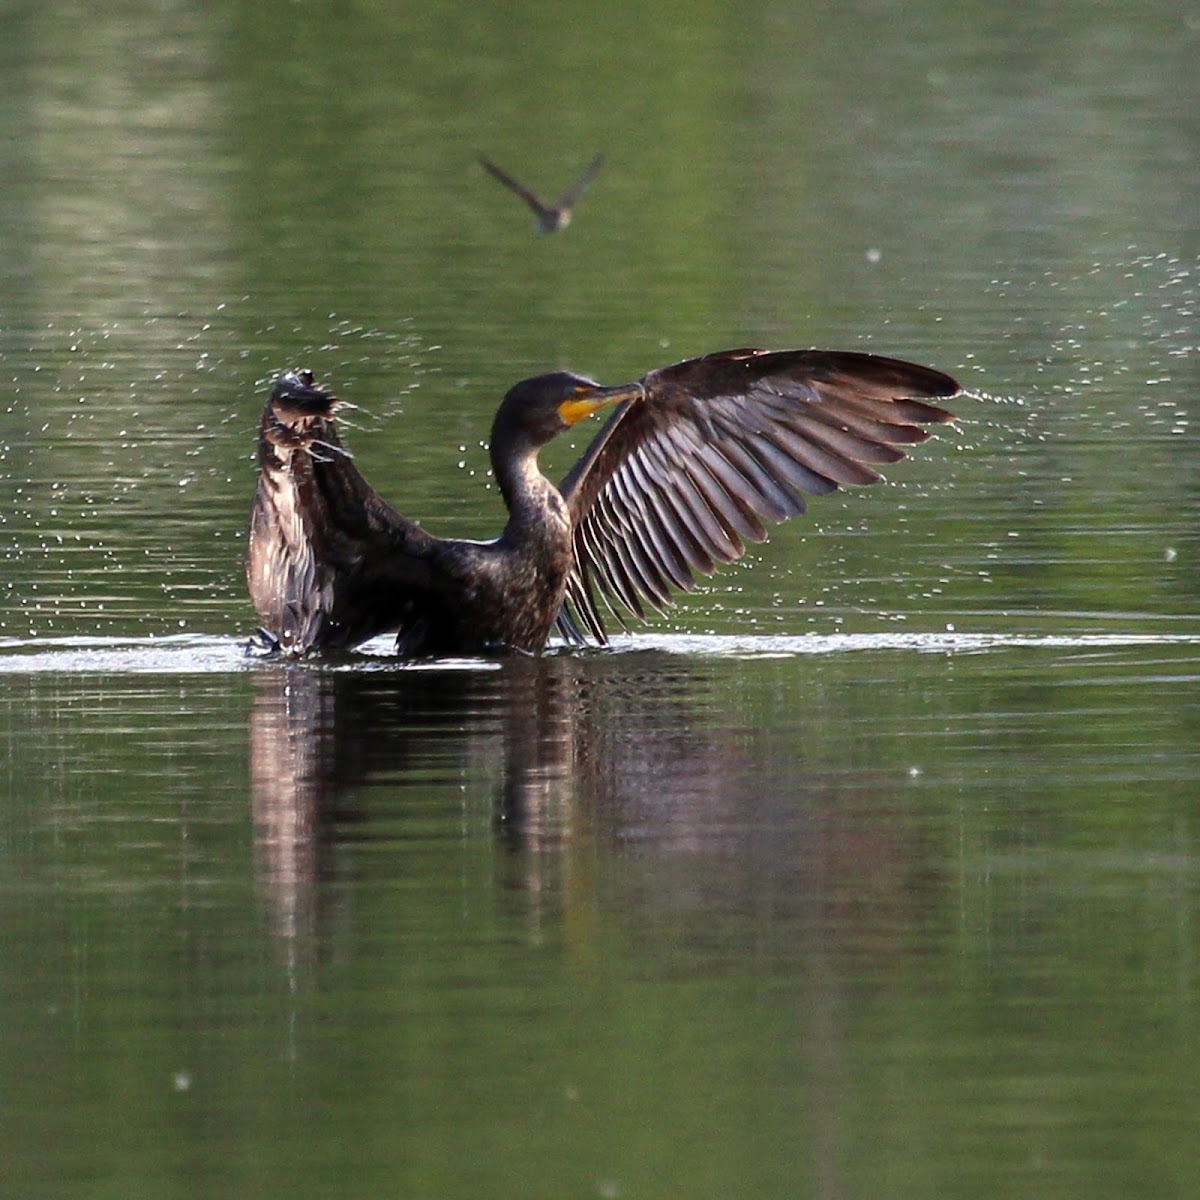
(190, 654)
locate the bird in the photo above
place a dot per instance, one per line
(693, 462)
(550, 217)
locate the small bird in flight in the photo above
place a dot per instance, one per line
(550, 217)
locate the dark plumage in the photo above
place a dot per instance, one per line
(685, 472)
(550, 217)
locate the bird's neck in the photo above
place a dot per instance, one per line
(535, 508)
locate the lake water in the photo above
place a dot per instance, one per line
(872, 869)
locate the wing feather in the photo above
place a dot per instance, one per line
(672, 553)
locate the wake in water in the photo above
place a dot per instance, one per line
(189, 654)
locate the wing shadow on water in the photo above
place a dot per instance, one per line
(558, 743)
(638, 754)
(731, 850)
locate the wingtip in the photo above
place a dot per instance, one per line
(931, 414)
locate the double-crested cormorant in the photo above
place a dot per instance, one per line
(550, 217)
(681, 476)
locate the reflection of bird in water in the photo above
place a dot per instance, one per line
(693, 461)
(550, 217)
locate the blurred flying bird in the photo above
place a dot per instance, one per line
(550, 217)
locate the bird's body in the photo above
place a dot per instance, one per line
(550, 218)
(684, 473)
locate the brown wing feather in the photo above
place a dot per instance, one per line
(678, 482)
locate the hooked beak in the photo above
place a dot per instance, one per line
(588, 398)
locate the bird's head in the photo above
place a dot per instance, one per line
(542, 407)
(296, 397)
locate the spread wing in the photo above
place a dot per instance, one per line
(329, 564)
(678, 482)
(516, 186)
(575, 193)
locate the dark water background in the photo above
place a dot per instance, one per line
(872, 870)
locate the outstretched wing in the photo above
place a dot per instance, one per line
(515, 185)
(575, 193)
(329, 564)
(678, 482)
